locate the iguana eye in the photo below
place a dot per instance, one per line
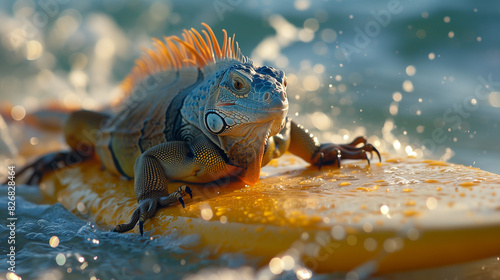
(240, 86)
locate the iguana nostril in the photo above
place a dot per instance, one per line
(277, 103)
(267, 97)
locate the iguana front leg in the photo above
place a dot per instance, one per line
(198, 161)
(306, 146)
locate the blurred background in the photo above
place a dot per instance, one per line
(419, 78)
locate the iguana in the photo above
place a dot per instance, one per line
(196, 112)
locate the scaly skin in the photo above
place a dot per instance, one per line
(222, 117)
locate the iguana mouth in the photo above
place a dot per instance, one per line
(225, 104)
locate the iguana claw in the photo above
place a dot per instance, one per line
(181, 200)
(321, 157)
(141, 227)
(189, 191)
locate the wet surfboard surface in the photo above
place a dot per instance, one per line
(397, 215)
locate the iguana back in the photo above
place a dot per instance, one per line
(146, 119)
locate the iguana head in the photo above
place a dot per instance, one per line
(247, 105)
(247, 96)
(238, 106)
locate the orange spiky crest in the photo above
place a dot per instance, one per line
(175, 53)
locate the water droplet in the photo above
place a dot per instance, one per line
(411, 70)
(60, 259)
(367, 227)
(301, 5)
(18, 113)
(276, 265)
(54, 241)
(397, 96)
(408, 86)
(311, 83)
(421, 34)
(303, 273)
(396, 144)
(370, 244)
(384, 209)
(34, 50)
(393, 108)
(413, 234)
(328, 35)
(338, 232)
(431, 203)
(312, 24)
(304, 236)
(33, 141)
(493, 98)
(288, 263)
(206, 213)
(81, 208)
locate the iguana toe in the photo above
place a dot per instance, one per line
(177, 195)
(148, 207)
(130, 225)
(183, 190)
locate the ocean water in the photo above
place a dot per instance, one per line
(419, 78)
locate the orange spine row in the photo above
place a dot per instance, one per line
(175, 53)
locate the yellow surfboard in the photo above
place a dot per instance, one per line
(393, 216)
